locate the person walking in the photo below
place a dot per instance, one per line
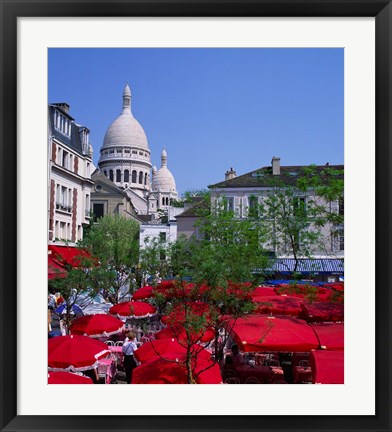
(128, 348)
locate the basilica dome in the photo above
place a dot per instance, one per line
(126, 131)
(163, 179)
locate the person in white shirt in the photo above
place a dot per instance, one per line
(128, 348)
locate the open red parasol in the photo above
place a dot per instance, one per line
(330, 335)
(75, 353)
(67, 378)
(166, 348)
(178, 332)
(143, 293)
(327, 367)
(98, 325)
(255, 333)
(263, 291)
(159, 371)
(323, 311)
(133, 309)
(284, 305)
(189, 309)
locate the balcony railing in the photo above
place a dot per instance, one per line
(63, 207)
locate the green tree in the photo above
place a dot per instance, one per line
(220, 264)
(114, 242)
(295, 210)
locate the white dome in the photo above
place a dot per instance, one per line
(125, 131)
(163, 181)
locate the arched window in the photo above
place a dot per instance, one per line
(167, 201)
(134, 175)
(141, 177)
(111, 175)
(163, 201)
(106, 173)
(126, 176)
(118, 176)
(145, 178)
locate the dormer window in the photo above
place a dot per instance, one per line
(62, 123)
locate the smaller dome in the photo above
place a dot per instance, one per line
(163, 181)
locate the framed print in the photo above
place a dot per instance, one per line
(361, 30)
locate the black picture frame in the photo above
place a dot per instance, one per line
(10, 11)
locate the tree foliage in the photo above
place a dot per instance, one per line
(114, 242)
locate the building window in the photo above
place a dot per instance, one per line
(134, 152)
(111, 175)
(341, 206)
(106, 173)
(230, 204)
(163, 201)
(87, 206)
(118, 176)
(162, 236)
(119, 151)
(65, 161)
(253, 206)
(140, 178)
(299, 206)
(98, 211)
(167, 201)
(145, 178)
(338, 241)
(62, 124)
(134, 176)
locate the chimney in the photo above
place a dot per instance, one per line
(63, 106)
(275, 165)
(230, 174)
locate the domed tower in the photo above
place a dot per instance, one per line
(125, 156)
(163, 185)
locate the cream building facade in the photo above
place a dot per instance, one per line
(69, 174)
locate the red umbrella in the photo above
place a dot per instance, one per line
(284, 305)
(178, 332)
(327, 367)
(322, 311)
(75, 353)
(263, 291)
(191, 309)
(255, 333)
(159, 371)
(171, 289)
(131, 309)
(166, 348)
(330, 335)
(98, 325)
(143, 293)
(67, 378)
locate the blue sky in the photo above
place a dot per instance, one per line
(211, 108)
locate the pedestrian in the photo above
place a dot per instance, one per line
(128, 348)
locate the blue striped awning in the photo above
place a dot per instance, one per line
(307, 266)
